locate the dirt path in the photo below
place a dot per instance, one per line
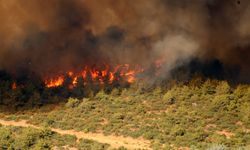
(114, 141)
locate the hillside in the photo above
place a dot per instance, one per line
(195, 115)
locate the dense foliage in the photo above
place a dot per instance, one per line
(17, 138)
(198, 114)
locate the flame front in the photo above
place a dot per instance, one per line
(95, 75)
(54, 82)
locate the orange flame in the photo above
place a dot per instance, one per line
(55, 82)
(14, 86)
(130, 76)
(99, 76)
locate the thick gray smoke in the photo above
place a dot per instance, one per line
(53, 36)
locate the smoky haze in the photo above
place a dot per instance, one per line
(53, 36)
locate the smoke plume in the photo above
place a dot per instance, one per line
(54, 36)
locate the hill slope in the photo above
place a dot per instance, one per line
(193, 115)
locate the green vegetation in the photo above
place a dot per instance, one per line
(199, 115)
(17, 138)
(91, 145)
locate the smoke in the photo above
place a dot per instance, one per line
(54, 36)
(229, 38)
(172, 48)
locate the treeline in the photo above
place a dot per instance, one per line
(28, 90)
(31, 91)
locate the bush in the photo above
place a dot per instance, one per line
(220, 102)
(5, 138)
(177, 131)
(72, 102)
(199, 136)
(119, 116)
(209, 87)
(149, 135)
(218, 147)
(169, 98)
(157, 92)
(115, 92)
(223, 88)
(102, 96)
(42, 145)
(85, 144)
(18, 138)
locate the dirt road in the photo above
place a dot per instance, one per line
(114, 141)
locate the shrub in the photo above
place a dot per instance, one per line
(177, 131)
(119, 116)
(72, 102)
(91, 145)
(46, 133)
(169, 98)
(149, 135)
(102, 96)
(42, 145)
(223, 88)
(18, 138)
(115, 92)
(157, 92)
(5, 138)
(209, 87)
(218, 147)
(244, 112)
(220, 102)
(26, 139)
(199, 136)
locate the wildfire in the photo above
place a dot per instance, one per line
(54, 82)
(13, 86)
(96, 75)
